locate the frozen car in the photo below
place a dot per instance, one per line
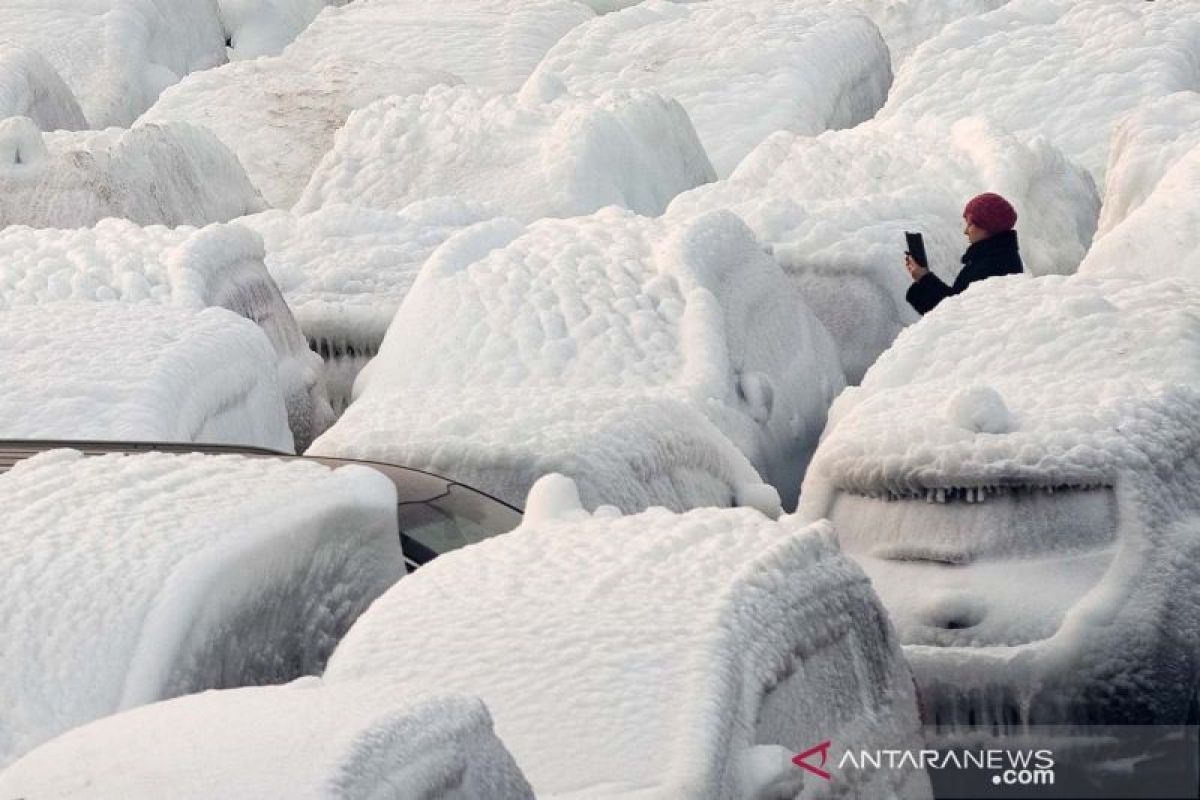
(1017, 475)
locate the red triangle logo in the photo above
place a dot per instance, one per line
(823, 749)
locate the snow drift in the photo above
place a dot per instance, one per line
(221, 265)
(213, 571)
(155, 174)
(257, 28)
(29, 87)
(279, 115)
(1026, 458)
(835, 208)
(526, 157)
(108, 371)
(656, 655)
(524, 349)
(302, 741)
(907, 24)
(743, 69)
(1091, 61)
(117, 55)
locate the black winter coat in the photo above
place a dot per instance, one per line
(996, 255)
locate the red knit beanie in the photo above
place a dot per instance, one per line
(991, 212)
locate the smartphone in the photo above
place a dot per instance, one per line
(916, 248)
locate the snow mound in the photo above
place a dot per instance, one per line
(1033, 538)
(656, 655)
(493, 44)
(280, 114)
(117, 55)
(835, 208)
(104, 371)
(213, 572)
(526, 157)
(344, 270)
(566, 316)
(303, 741)
(29, 87)
(221, 265)
(155, 174)
(1092, 61)
(906, 24)
(743, 69)
(257, 28)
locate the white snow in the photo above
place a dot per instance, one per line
(1017, 476)
(835, 208)
(131, 578)
(280, 114)
(304, 741)
(221, 265)
(743, 69)
(1068, 70)
(116, 55)
(907, 24)
(257, 28)
(593, 346)
(524, 156)
(493, 44)
(171, 174)
(344, 271)
(29, 87)
(109, 371)
(652, 656)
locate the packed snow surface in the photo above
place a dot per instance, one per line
(221, 265)
(279, 115)
(29, 87)
(257, 28)
(835, 208)
(907, 24)
(305, 741)
(109, 371)
(743, 69)
(172, 174)
(132, 578)
(494, 44)
(1091, 61)
(518, 344)
(1017, 476)
(117, 55)
(527, 157)
(656, 655)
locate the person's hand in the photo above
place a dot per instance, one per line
(915, 270)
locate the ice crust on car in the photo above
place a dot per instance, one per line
(303, 740)
(524, 156)
(835, 208)
(594, 346)
(132, 578)
(112, 371)
(656, 655)
(1091, 61)
(220, 265)
(173, 174)
(742, 69)
(29, 87)
(117, 55)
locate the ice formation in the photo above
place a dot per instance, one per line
(257, 28)
(656, 655)
(1017, 477)
(835, 208)
(29, 87)
(132, 578)
(117, 55)
(221, 265)
(525, 156)
(907, 24)
(280, 114)
(1091, 61)
(598, 346)
(304, 741)
(743, 69)
(493, 44)
(171, 174)
(344, 270)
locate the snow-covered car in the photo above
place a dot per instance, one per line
(1017, 475)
